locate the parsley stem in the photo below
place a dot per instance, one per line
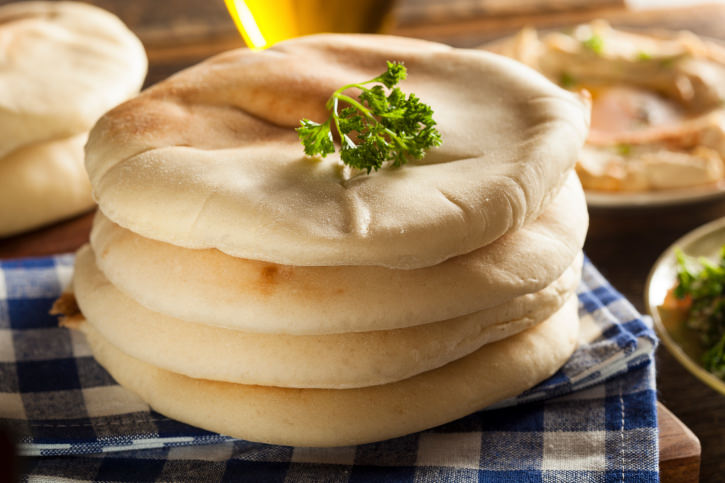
(359, 85)
(357, 105)
(335, 117)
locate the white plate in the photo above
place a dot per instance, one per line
(704, 241)
(605, 199)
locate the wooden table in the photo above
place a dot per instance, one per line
(623, 244)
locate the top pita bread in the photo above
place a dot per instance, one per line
(63, 65)
(209, 158)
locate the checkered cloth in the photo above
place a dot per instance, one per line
(72, 420)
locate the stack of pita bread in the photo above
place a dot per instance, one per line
(239, 286)
(62, 65)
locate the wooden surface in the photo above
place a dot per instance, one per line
(622, 244)
(679, 449)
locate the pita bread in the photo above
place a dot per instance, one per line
(209, 158)
(336, 417)
(333, 361)
(63, 65)
(209, 286)
(42, 183)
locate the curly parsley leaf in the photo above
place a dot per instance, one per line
(316, 137)
(380, 126)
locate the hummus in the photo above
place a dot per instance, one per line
(657, 103)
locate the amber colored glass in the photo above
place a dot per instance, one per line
(262, 23)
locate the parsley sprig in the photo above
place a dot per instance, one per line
(706, 289)
(375, 128)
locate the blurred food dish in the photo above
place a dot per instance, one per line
(684, 344)
(658, 126)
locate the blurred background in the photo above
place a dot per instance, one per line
(178, 33)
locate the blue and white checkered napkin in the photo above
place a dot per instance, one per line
(73, 421)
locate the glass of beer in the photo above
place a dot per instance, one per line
(262, 23)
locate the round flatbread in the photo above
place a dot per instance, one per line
(210, 286)
(209, 157)
(337, 417)
(326, 361)
(63, 64)
(41, 183)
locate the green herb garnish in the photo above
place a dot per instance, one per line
(388, 127)
(566, 80)
(624, 149)
(668, 62)
(642, 55)
(706, 289)
(595, 43)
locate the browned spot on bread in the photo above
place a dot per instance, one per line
(269, 274)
